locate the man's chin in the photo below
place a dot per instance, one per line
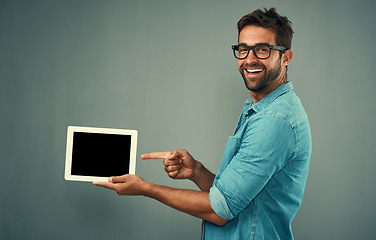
(255, 89)
(253, 84)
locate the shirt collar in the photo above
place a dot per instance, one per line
(269, 98)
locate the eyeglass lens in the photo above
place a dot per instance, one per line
(261, 51)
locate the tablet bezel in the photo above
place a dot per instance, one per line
(69, 150)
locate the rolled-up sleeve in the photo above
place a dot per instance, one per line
(266, 145)
(219, 204)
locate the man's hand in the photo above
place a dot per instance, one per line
(125, 185)
(179, 164)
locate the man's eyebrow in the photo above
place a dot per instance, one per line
(244, 44)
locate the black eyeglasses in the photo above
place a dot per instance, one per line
(261, 51)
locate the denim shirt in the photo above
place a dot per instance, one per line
(260, 182)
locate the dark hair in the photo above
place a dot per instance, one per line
(272, 20)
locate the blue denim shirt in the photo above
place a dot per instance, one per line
(260, 182)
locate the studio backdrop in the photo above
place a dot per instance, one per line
(166, 69)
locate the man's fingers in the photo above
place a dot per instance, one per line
(155, 155)
(173, 174)
(168, 162)
(172, 168)
(179, 153)
(108, 185)
(118, 179)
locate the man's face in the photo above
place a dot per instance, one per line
(258, 74)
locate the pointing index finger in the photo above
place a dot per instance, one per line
(155, 155)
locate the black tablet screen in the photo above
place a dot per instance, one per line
(101, 155)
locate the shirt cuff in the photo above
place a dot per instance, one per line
(219, 204)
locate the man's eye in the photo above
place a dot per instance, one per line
(243, 50)
(262, 49)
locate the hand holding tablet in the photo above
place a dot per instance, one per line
(128, 184)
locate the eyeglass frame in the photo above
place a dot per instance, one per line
(271, 47)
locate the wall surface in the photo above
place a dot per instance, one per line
(166, 69)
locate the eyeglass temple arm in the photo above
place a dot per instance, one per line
(279, 48)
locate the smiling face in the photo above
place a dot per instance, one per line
(261, 76)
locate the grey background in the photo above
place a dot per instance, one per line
(166, 69)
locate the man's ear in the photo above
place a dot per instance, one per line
(286, 57)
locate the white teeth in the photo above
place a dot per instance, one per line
(254, 70)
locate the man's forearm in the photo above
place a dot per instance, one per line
(195, 203)
(202, 177)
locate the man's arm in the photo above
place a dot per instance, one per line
(195, 203)
(179, 164)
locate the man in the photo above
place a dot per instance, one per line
(260, 183)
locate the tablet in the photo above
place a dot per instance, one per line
(95, 154)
